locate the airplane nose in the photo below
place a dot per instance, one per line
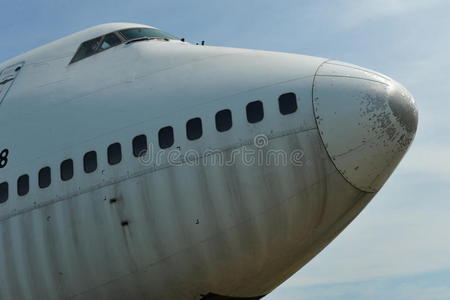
(366, 120)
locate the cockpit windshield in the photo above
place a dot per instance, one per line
(136, 33)
(86, 49)
(112, 39)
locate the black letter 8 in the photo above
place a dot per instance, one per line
(4, 158)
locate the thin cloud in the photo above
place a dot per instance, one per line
(432, 159)
(353, 13)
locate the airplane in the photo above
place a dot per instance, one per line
(136, 165)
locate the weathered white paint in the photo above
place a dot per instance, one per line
(192, 230)
(366, 120)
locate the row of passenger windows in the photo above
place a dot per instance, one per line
(194, 130)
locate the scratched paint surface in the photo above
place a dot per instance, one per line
(366, 120)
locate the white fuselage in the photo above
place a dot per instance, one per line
(199, 218)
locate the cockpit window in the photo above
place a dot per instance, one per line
(96, 45)
(136, 33)
(110, 40)
(86, 49)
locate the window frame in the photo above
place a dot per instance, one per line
(223, 129)
(115, 33)
(98, 48)
(19, 183)
(89, 171)
(285, 112)
(71, 168)
(7, 192)
(139, 151)
(247, 110)
(190, 130)
(112, 155)
(41, 183)
(123, 40)
(172, 136)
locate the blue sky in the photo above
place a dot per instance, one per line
(399, 247)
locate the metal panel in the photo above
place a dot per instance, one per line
(367, 122)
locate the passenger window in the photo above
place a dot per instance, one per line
(44, 177)
(223, 120)
(140, 145)
(109, 41)
(66, 170)
(23, 185)
(114, 154)
(165, 137)
(90, 162)
(287, 103)
(4, 192)
(255, 111)
(194, 129)
(86, 49)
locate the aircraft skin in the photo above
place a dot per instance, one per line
(197, 229)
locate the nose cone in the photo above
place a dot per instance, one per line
(366, 120)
